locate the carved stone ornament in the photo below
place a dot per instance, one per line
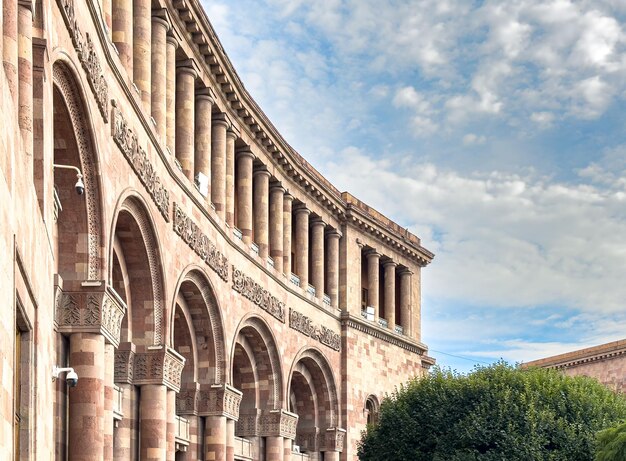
(199, 242)
(137, 157)
(124, 363)
(309, 439)
(304, 325)
(220, 400)
(278, 423)
(248, 424)
(91, 312)
(258, 295)
(332, 439)
(159, 365)
(88, 57)
(187, 401)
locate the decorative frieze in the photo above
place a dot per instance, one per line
(332, 439)
(248, 424)
(252, 290)
(187, 401)
(90, 312)
(220, 400)
(305, 325)
(88, 57)
(137, 157)
(159, 365)
(124, 363)
(278, 423)
(199, 242)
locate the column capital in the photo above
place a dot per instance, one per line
(261, 171)
(98, 311)
(219, 400)
(159, 365)
(278, 423)
(244, 152)
(206, 93)
(233, 131)
(124, 363)
(405, 271)
(389, 263)
(30, 4)
(162, 16)
(372, 254)
(334, 233)
(288, 197)
(276, 186)
(222, 118)
(301, 208)
(332, 439)
(317, 221)
(188, 66)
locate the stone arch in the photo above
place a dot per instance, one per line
(313, 396)
(69, 91)
(255, 327)
(134, 229)
(204, 319)
(371, 409)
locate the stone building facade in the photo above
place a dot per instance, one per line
(218, 298)
(606, 363)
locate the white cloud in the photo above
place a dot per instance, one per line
(473, 139)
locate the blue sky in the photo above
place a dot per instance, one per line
(494, 130)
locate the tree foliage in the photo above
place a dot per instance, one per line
(612, 444)
(495, 413)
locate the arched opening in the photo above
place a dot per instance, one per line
(371, 410)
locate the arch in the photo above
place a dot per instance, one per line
(255, 339)
(311, 377)
(371, 409)
(67, 83)
(205, 321)
(134, 231)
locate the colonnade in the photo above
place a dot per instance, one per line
(396, 288)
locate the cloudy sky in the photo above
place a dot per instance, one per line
(494, 130)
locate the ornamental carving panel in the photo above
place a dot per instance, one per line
(248, 425)
(124, 366)
(87, 55)
(278, 423)
(187, 401)
(332, 439)
(220, 400)
(160, 365)
(90, 312)
(258, 295)
(137, 157)
(305, 325)
(199, 242)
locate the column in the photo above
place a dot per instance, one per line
(218, 164)
(230, 440)
(185, 104)
(373, 259)
(302, 245)
(405, 301)
(123, 33)
(170, 93)
(106, 17)
(204, 105)
(158, 103)
(231, 137)
(287, 208)
(142, 41)
(332, 277)
(244, 194)
(193, 451)
(274, 448)
(277, 192)
(171, 425)
(109, 371)
(287, 443)
(261, 210)
(390, 293)
(331, 456)
(9, 47)
(317, 256)
(86, 418)
(215, 438)
(153, 422)
(25, 79)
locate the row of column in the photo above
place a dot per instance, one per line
(390, 268)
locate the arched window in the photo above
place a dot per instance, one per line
(371, 409)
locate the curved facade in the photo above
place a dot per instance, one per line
(217, 297)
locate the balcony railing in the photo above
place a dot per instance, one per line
(383, 322)
(118, 397)
(311, 290)
(398, 329)
(237, 233)
(254, 248)
(294, 279)
(326, 299)
(295, 456)
(368, 313)
(243, 449)
(270, 262)
(182, 433)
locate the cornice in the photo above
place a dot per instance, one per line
(357, 323)
(596, 354)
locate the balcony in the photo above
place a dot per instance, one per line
(368, 313)
(118, 397)
(383, 322)
(243, 449)
(326, 299)
(311, 290)
(181, 433)
(237, 233)
(254, 249)
(294, 279)
(398, 329)
(270, 262)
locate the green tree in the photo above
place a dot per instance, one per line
(498, 413)
(612, 444)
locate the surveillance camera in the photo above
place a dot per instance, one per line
(80, 186)
(71, 379)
